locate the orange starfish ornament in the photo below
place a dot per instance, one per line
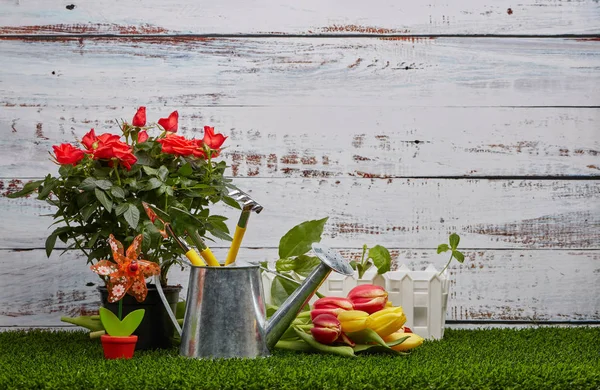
(128, 273)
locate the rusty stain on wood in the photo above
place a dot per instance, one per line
(352, 28)
(91, 28)
(355, 64)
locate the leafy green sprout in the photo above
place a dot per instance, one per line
(378, 256)
(453, 240)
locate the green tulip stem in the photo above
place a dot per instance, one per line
(120, 315)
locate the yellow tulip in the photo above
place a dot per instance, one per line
(387, 321)
(413, 341)
(354, 320)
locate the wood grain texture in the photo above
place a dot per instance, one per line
(127, 72)
(334, 141)
(408, 213)
(306, 18)
(490, 285)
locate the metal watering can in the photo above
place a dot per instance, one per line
(225, 313)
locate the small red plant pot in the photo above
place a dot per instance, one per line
(118, 347)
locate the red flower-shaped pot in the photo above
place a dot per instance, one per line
(118, 347)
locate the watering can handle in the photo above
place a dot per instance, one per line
(166, 304)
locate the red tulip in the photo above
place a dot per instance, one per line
(368, 297)
(139, 119)
(326, 329)
(330, 305)
(170, 123)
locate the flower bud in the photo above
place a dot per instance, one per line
(387, 321)
(330, 305)
(326, 329)
(368, 297)
(413, 341)
(354, 320)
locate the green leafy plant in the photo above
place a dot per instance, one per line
(294, 263)
(378, 256)
(453, 240)
(100, 188)
(121, 328)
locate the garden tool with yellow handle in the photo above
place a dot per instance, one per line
(248, 206)
(190, 253)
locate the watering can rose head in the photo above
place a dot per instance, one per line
(102, 182)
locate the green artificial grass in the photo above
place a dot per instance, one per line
(558, 358)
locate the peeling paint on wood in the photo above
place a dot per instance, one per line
(312, 17)
(302, 72)
(412, 213)
(489, 285)
(369, 142)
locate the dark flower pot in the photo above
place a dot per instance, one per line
(156, 329)
(118, 347)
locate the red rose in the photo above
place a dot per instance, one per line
(108, 146)
(67, 154)
(170, 123)
(89, 139)
(139, 119)
(212, 140)
(177, 145)
(142, 136)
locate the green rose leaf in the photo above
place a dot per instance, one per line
(381, 258)
(88, 184)
(163, 173)
(27, 189)
(185, 170)
(442, 248)
(454, 240)
(117, 192)
(132, 216)
(150, 171)
(458, 256)
(121, 208)
(88, 210)
(231, 202)
(104, 184)
(47, 187)
(152, 184)
(103, 199)
(298, 240)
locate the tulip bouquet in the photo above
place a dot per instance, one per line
(102, 183)
(363, 321)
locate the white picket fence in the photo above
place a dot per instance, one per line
(422, 294)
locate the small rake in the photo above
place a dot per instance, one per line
(248, 206)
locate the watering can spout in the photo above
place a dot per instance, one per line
(283, 317)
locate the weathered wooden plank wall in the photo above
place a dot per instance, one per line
(402, 121)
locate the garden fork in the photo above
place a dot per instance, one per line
(248, 206)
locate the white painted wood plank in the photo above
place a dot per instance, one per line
(531, 285)
(363, 141)
(308, 17)
(409, 213)
(300, 72)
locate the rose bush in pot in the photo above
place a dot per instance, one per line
(102, 182)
